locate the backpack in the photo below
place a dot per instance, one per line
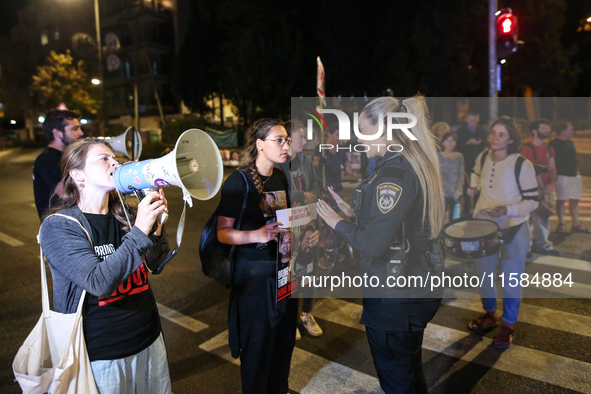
(518, 165)
(540, 169)
(217, 258)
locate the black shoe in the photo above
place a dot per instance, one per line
(549, 252)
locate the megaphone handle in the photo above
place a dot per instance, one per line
(141, 194)
(162, 218)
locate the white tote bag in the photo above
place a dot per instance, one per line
(53, 359)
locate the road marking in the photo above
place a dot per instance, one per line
(551, 261)
(517, 360)
(10, 241)
(562, 262)
(577, 290)
(315, 374)
(178, 318)
(530, 363)
(532, 314)
(6, 152)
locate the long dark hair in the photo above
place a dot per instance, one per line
(74, 157)
(258, 131)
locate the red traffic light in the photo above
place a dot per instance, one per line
(506, 33)
(506, 24)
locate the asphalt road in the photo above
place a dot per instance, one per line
(551, 353)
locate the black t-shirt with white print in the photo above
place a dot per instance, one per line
(259, 209)
(126, 322)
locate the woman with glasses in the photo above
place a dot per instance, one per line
(261, 330)
(304, 186)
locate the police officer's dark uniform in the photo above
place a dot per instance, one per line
(385, 203)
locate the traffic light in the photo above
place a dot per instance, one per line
(506, 33)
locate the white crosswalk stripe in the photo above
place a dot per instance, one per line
(178, 318)
(578, 289)
(532, 314)
(584, 210)
(10, 241)
(315, 374)
(519, 360)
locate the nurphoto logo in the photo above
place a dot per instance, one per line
(345, 129)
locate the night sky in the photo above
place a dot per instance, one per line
(8, 10)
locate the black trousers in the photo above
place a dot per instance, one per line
(265, 351)
(396, 345)
(398, 361)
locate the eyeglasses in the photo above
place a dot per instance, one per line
(282, 141)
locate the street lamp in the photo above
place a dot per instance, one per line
(95, 81)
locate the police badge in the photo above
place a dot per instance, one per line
(388, 195)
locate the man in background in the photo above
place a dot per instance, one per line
(470, 142)
(569, 184)
(62, 128)
(540, 153)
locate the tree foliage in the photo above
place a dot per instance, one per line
(260, 54)
(64, 80)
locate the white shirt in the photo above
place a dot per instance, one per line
(498, 187)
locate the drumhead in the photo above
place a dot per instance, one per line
(471, 229)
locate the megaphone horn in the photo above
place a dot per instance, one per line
(195, 165)
(129, 143)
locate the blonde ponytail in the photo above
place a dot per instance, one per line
(421, 154)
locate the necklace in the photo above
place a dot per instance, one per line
(267, 178)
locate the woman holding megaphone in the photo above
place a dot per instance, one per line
(91, 245)
(261, 330)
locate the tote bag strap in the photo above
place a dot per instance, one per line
(44, 288)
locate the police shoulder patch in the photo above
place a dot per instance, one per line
(388, 194)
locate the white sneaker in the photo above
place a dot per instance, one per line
(298, 335)
(310, 324)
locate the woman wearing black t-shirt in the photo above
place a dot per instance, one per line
(121, 323)
(261, 330)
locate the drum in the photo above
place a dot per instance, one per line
(472, 238)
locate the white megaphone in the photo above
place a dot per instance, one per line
(195, 165)
(128, 143)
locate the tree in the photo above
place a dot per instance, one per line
(63, 80)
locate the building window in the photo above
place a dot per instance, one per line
(127, 68)
(56, 35)
(155, 67)
(44, 39)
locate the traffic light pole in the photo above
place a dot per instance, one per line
(99, 45)
(492, 60)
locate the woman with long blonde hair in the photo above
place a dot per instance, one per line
(398, 213)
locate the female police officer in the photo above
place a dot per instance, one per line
(398, 212)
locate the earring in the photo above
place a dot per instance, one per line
(81, 185)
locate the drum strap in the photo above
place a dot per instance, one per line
(507, 234)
